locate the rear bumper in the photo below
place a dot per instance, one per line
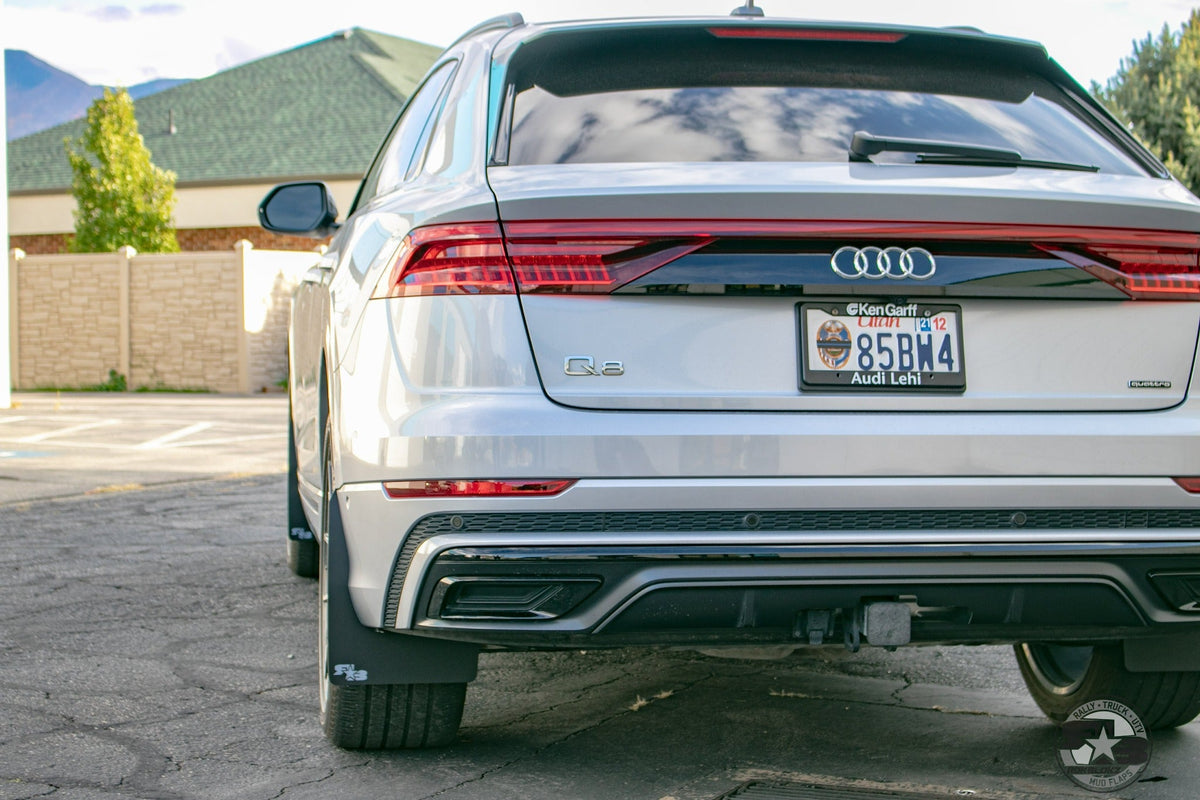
(727, 595)
(977, 559)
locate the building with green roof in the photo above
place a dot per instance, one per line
(317, 111)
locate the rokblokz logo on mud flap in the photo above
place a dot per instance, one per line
(1104, 746)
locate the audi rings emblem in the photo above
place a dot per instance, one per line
(876, 263)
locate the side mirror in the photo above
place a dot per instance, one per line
(305, 208)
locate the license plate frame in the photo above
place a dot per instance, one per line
(824, 367)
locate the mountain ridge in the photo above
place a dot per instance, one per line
(40, 95)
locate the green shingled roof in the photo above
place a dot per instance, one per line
(319, 110)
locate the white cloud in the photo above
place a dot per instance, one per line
(193, 38)
(167, 9)
(112, 14)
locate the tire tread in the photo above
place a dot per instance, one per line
(394, 716)
(1161, 699)
(303, 557)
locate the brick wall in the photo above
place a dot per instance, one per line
(190, 240)
(41, 244)
(215, 321)
(207, 239)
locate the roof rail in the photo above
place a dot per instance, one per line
(513, 20)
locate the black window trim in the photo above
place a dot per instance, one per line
(504, 127)
(416, 166)
(1093, 111)
(454, 60)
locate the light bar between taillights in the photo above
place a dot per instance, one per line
(600, 256)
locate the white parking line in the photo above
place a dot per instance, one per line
(11, 419)
(41, 437)
(230, 440)
(174, 436)
(59, 445)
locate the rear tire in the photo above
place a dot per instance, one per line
(1062, 677)
(376, 716)
(302, 555)
(394, 716)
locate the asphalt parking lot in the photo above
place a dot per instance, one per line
(154, 645)
(60, 445)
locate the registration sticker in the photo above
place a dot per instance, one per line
(881, 346)
(833, 344)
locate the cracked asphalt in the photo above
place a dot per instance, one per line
(154, 645)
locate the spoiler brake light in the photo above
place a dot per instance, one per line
(805, 34)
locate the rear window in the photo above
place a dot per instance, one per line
(688, 95)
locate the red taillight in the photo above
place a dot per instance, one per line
(589, 257)
(1165, 268)
(524, 488)
(559, 257)
(1189, 485)
(1163, 273)
(449, 259)
(808, 34)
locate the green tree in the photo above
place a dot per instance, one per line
(121, 197)
(1156, 92)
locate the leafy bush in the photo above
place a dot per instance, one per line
(121, 197)
(1155, 92)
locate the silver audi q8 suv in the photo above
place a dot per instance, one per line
(740, 332)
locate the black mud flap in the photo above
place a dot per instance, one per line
(298, 528)
(360, 655)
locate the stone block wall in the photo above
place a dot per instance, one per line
(185, 321)
(212, 321)
(267, 292)
(67, 318)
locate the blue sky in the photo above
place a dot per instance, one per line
(127, 42)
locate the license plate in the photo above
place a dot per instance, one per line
(882, 346)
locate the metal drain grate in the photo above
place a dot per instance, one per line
(763, 790)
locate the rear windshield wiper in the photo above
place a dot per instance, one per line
(930, 151)
(976, 161)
